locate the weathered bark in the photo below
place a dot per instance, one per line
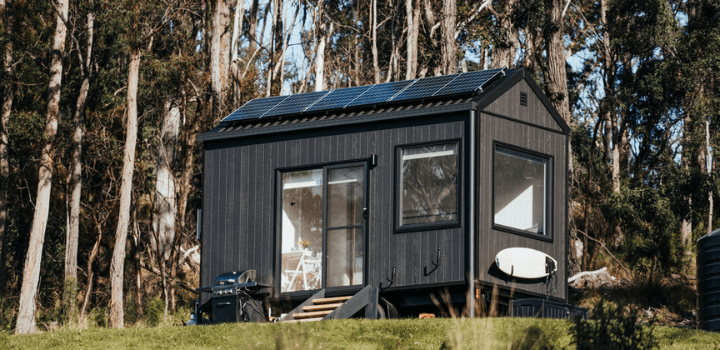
(165, 192)
(432, 25)
(220, 52)
(324, 33)
(117, 266)
(234, 60)
(74, 179)
(7, 100)
(373, 25)
(449, 45)
(413, 27)
(557, 90)
(252, 24)
(164, 202)
(31, 271)
(532, 45)
(506, 38)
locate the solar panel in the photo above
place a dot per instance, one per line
(380, 93)
(338, 98)
(365, 95)
(255, 108)
(295, 103)
(468, 82)
(425, 87)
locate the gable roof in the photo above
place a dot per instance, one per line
(423, 96)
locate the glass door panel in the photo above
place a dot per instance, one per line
(346, 195)
(302, 223)
(322, 228)
(345, 257)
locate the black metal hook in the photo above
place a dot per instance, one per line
(391, 280)
(437, 258)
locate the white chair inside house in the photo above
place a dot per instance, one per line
(308, 267)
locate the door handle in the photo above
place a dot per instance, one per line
(365, 213)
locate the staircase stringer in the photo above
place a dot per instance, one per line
(291, 315)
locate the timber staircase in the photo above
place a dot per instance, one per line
(318, 308)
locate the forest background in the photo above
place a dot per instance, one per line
(102, 103)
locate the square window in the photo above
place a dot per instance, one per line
(520, 190)
(428, 185)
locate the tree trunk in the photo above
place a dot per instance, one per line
(557, 90)
(137, 257)
(506, 41)
(7, 100)
(117, 266)
(686, 225)
(373, 25)
(164, 203)
(324, 33)
(709, 166)
(90, 273)
(449, 45)
(185, 186)
(413, 17)
(220, 52)
(234, 69)
(252, 24)
(165, 191)
(75, 176)
(31, 271)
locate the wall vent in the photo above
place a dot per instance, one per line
(523, 99)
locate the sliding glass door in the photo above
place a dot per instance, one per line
(322, 227)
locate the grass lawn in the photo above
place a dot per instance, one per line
(487, 333)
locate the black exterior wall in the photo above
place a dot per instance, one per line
(532, 128)
(239, 215)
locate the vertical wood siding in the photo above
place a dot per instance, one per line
(490, 241)
(535, 112)
(240, 200)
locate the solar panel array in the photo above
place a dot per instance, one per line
(365, 95)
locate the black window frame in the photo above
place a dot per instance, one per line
(549, 190)
(397, 215)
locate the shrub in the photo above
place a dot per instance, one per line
(155, 312)
(612, 327)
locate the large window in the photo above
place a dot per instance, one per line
(520, 190)
(428, 185)
(322, 228)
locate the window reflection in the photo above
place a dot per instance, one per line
(519, 190)
(428, 184)
(302, 200)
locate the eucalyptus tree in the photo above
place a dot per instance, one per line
(31, 272)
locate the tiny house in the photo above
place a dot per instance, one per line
(410, 187)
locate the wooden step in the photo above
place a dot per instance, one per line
(332, 300)
(305, 320)
(312, 314)
(321, 307)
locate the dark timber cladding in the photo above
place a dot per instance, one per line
(239, 231)
(246, 155)
(532, 128)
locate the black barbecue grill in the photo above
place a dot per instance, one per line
(236, 297)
